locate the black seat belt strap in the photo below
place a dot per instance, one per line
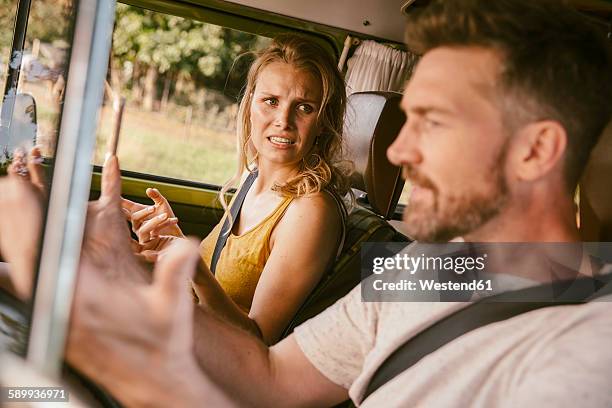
(228, 224)
(481, 313)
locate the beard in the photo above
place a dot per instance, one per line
(454, 214)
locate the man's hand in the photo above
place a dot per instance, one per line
(107, 242)
(132, 335)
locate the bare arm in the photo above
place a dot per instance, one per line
(5, 278)
(289, 274)
(20, 222)
(255, 375)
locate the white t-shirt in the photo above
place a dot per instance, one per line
(553, 357)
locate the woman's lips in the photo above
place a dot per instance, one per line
(278, 144)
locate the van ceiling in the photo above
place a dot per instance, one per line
(384, 18)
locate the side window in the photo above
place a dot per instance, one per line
(42, 74)
(181, 88)
(7, 21)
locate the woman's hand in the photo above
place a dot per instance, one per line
(149, 222)
(152, 250)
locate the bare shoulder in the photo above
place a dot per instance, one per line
(314, 213)
(319, 206)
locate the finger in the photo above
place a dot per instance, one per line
(142, 214)
(150, 255)
(173, 272)
(144, 232)
(127, 214)
(157, 230)
(111, 179)
(18, 164)
(156, 196)
(136, 247)
(131, 206)
(36, 171)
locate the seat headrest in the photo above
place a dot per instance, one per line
(372, 122)
(596, 192)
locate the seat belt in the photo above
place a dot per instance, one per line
(228, 224)
(343, 219)
(481, 313)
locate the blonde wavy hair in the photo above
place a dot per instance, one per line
(323, 167)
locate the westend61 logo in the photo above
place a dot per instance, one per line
(412, 264)
(469, 271)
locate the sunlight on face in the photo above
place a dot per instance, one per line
(452, 147)
(283, 113)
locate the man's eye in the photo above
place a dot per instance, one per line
(271, 101)
(306, 108)
(431, 124)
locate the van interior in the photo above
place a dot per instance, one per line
(181, 65)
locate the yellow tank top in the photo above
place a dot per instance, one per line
(243, 258)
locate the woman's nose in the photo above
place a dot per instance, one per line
(284, 117)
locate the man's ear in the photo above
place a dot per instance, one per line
(537, 149)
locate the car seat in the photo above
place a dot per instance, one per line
(596, 192)
(372, 122)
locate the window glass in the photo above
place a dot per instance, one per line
(7, 21)
(180, 81)
(44, 60)
(405, 194)
(43, 68)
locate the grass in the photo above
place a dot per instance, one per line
(157, 144)
(151, 142)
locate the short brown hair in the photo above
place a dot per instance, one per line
(557, 65)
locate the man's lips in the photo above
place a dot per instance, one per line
(418, 193)
(416, 179)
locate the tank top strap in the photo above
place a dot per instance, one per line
(279, 212)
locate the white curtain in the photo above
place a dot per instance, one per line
(377, 67)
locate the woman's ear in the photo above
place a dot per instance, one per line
(538, 148)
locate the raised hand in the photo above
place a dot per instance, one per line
(151, 221)
(107, 235)
(133, 336)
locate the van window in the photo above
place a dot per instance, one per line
(43, 63)
(7, 19)
(181, 79)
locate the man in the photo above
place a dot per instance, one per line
(503, 110)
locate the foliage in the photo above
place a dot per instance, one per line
(202, 53)
(7, 21)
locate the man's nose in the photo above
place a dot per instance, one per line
(405, 149)
(284, 117)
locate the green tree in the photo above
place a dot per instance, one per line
(152, 44)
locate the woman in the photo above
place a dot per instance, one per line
(289, 228)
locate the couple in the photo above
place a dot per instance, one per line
(503, 109)
(290, 136)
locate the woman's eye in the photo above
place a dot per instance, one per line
(306, 108)
(271, 101)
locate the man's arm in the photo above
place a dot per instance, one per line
(20, 224)
(255, 375)
(5, 278)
